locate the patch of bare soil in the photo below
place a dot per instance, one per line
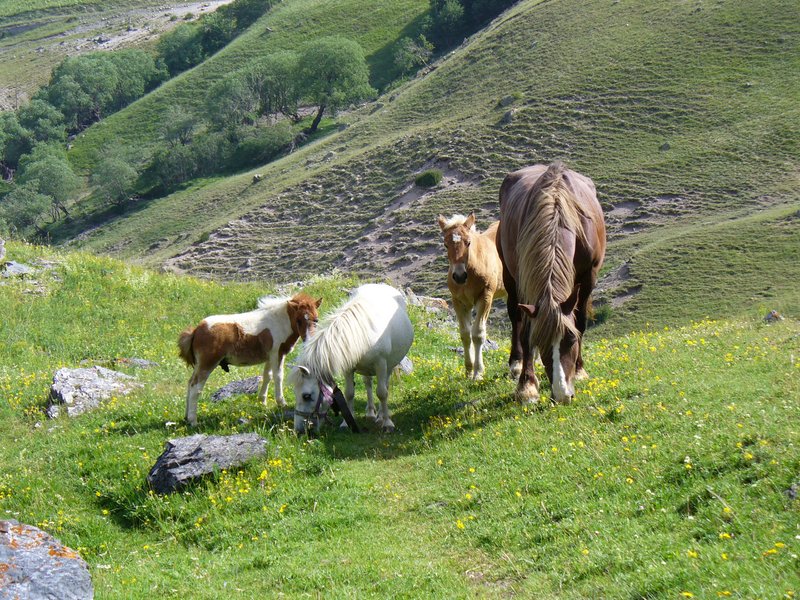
(615, 286)
(130, 29)
(401, 262)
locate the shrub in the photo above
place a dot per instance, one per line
(263, 146)
(430, 178)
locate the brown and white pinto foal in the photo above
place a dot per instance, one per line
(265, 335)
(475, 279)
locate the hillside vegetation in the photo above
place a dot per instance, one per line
(673, 474)
(684, 113)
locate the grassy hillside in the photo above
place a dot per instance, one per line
(289, 25)
(35, 36)
(683, 113)
(668, 477)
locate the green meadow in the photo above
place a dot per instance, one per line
(669, 476)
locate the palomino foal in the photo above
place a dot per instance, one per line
(475, 278)
(265, 335)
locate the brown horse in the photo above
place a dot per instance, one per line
(475, 279)
(265, 335)
(552, 241)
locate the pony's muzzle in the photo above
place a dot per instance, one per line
(460, 274)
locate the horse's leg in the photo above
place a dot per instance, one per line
(349, 395)
(277, 375)
(265, 379)
(195, 387)
(482, 308)
(371, 412)
(581, 320)
(384, 419)
(528, 386)
(515, 316)
(464, 315)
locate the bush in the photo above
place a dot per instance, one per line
(262, 147)
(430, 178)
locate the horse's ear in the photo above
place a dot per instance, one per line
(319, 302)
(442, 222)
(528, 309)
(470, 222)
(304, 369)
(570, 303)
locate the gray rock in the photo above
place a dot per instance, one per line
(2, 250)
(139, 363)
(406, 366)
(508, 117)
(186, 459)
(237, 388)
(36, 566)
(80, 390)
(412, 298)
(15, 269)
(506, 101)
(488, 346)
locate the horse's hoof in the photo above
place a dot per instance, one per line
(477, 377)
(527, 395)
(388, 428)
(581, 375)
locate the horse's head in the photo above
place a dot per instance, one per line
(303, 314)
(561, 358)
(311, 400)
(457, 232)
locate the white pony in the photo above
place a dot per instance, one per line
(369, 335)
(265, 335)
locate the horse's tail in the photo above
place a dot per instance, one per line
(185, 340)
(547, 273)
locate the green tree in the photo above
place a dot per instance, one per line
(232, 102)
(22, 209)
(412, 54)
(274, 80)
(49, 168)
(44, 121)
(114, 180)
(83, 88)
(137, 74)
(333, 73)
(446, 24)
(216, 30)
(178, 126)
(15, 142)
(181, 48)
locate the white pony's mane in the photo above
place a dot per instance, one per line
(271, 303)
(457, 220)
(341, 340)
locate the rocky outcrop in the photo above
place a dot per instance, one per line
(36, 566)
(189, 458)
(80, 390)
(237, 388)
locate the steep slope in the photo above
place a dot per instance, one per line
(680, 111)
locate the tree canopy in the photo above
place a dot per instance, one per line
(332, 73)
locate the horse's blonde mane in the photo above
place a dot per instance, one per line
(455, 221)
(341, 340)
(546, 272)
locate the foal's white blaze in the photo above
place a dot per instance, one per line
(562, 391)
